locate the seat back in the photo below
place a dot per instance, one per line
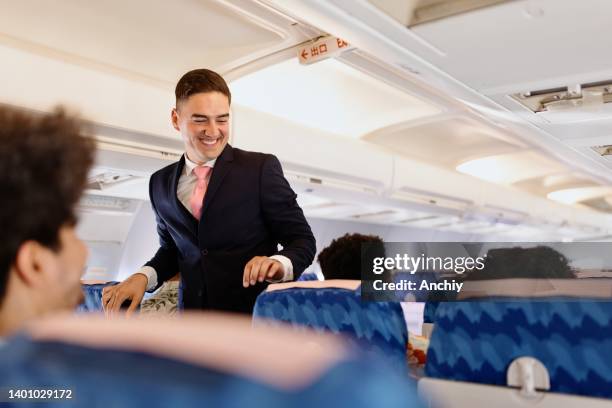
(335, 306)
(202, 359)
(308, 277)
(477, 340)
(93, 296)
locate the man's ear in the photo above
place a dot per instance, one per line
(175, 119)
(30, 262)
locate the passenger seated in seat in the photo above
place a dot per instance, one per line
(342, 258)
(44, 162)
(540, 262)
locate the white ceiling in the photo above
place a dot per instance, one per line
(524, 44)
(329, 96)
(444, 140)
(487, 54)
(155, 39)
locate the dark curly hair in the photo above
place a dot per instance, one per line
(537, 262)
(342, 258)
(201, 80)
(44, 162)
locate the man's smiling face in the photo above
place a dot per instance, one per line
(203, 121)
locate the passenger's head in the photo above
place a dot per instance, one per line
(44, 162)
(342, 258)
(202, 113)
(540, 262)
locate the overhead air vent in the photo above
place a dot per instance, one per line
(154, 152)
(97, 203)
(430, 221)
(411, 13)
(374, 214)
(574, 103)
(107, 179)
(333, 182)
(426, 199)
(498, 215)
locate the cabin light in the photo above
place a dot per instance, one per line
(576, 195)
(487, 168)
(510, 168)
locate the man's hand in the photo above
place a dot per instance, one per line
(260, 268)
(132, 288)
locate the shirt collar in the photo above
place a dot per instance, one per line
(189, 165)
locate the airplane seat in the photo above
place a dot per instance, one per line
(203, 359)
(92, 293)
(335, 306)
(305, 277)
(429, 312)
(568, 330)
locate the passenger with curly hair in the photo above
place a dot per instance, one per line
(44, 162)
(510, 263)
(342, 259)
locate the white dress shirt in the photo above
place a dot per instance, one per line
(184, 189)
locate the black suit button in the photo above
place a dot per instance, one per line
(205, 252)
(200, 293)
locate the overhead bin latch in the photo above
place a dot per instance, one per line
(322, 48)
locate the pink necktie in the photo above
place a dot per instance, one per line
(197, 195)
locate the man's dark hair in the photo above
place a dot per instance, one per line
(342, 259)
(44, 162)
(539, 262)
(198, 81)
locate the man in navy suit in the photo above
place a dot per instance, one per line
(221, 213)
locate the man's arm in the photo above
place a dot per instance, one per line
(285, 218)
(160, 268)
(165, 261)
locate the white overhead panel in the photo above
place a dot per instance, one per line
(527, 42)
(576, 195)
(510, 168)
(314, 160)
(155, 40)
(328, 95)
(105, 218)
(543, 185)
(117, 63)
(412, 12)
(445, 141)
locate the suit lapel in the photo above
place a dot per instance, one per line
(222, 166)
(179, 207)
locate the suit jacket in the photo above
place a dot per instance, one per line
(249, 208)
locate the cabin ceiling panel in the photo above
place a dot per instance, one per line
(524, 42)
(512, 167)
(546, 184)
(329, 96)
(159, 40)
(446, 142)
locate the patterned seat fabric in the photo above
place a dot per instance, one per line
(163, 301)
(375, 326)
(429, 312)
(476, 341)
(93, 297)
(100, 377)
(308, 277)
